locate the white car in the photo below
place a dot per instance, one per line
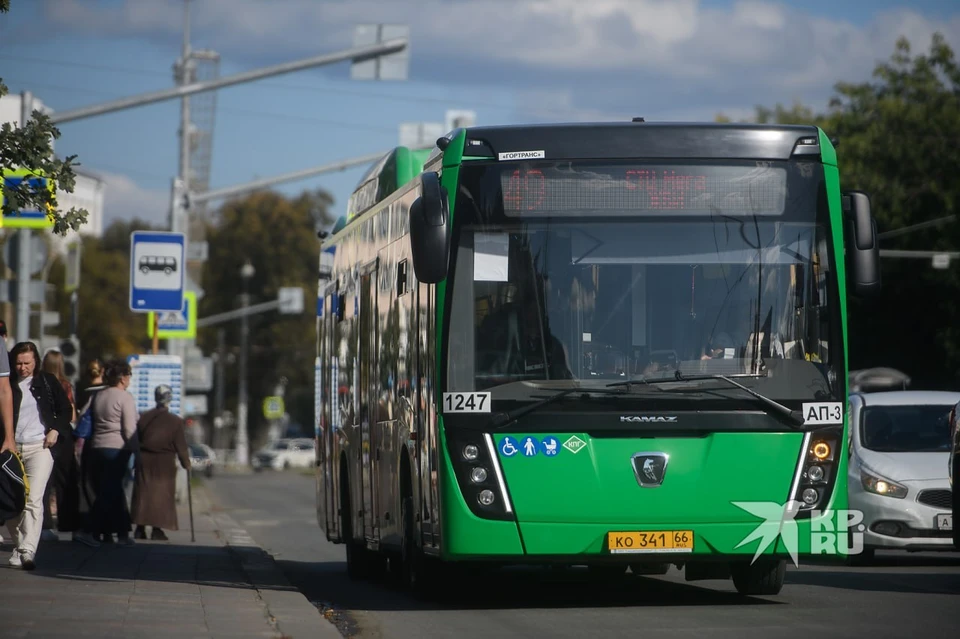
(285, 453)
(897, 472)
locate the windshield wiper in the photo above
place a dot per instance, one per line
(793, 417)
(502, 420)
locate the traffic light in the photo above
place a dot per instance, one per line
(70, 348)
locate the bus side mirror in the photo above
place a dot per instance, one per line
(429, 232)
(863, 249)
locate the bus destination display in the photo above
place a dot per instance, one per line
(574, 189)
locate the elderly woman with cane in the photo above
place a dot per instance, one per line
(162, 439)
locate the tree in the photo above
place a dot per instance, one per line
(279, 237)
(29, 147)
(106, 326)
(897, 141)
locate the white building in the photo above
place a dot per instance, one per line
(88, 190)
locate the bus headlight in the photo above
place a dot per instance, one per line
(478, 474)
(816, 475)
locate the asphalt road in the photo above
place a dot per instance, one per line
(903, 595)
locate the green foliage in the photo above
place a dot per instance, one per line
(279, 237)
(31, 147)
(897, 141)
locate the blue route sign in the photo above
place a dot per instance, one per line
(156, 271)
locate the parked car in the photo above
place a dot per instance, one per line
(953, 468)
(897, 472)
(202, 459)
(285, 453)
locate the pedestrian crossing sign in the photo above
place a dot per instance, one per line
(30, 181)
(180, 324)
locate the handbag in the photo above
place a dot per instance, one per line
(84, 427)
(14, 486)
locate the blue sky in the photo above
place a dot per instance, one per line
(510, 61)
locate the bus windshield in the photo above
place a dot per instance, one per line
(601, 273)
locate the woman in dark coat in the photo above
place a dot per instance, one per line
(162, 439)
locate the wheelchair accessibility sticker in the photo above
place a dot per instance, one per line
(549, 446)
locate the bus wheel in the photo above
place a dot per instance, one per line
(762, 578)
(413, 566)
(358, 556)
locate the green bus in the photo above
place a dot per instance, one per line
(618, 345)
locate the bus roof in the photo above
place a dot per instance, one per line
(384, 177)
(630, 140)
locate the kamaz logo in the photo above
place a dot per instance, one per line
(648, 418)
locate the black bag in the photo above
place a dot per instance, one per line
(14, 487)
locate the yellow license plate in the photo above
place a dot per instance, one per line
(650, 541)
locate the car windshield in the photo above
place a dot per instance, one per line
(587, 281)
(906, 429)
(196, 451)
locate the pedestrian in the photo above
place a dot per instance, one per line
(82, 453)
(162, 438)
(41, 414)
(112, 444)
(93, 384)
(4, 337)
(64, 484)
(84, 428)
(9, 440)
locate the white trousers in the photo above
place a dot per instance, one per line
(38, 462)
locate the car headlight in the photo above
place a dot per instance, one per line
(880, 486)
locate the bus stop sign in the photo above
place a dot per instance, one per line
(156, 271)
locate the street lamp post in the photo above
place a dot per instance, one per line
(243, 453)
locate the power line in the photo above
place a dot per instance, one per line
(276, 85)
(224, 110)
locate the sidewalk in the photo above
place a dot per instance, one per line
(221, 585)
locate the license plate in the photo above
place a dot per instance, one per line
(944, 522)
(650, 541)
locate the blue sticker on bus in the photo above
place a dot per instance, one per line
(509, 447)
(550, 446)
(530, 446)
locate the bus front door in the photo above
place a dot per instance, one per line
(368, 398)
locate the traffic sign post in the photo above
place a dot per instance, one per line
(156, 271)
(180, 324)
(273, 407)
(35, 181)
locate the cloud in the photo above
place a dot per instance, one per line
(604, 56)
(124, 199)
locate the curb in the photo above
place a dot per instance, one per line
(287, 608)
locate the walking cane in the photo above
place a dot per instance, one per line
(190, 501)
